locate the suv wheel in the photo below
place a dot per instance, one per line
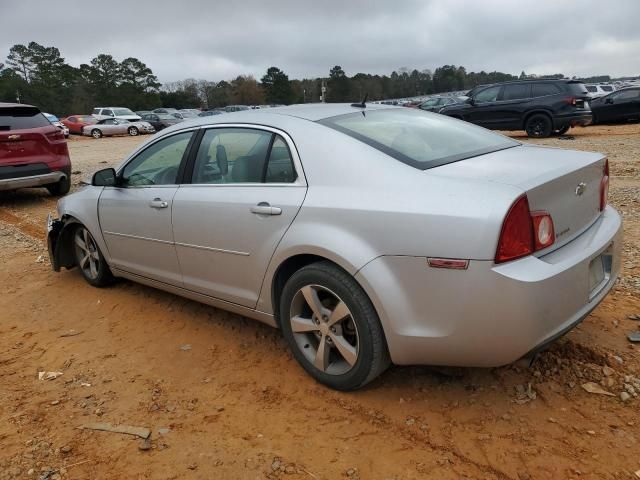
(538, 126)
(89, 258)
(60, 188)
(332, 328)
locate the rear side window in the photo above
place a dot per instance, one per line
(606, 88)
(418, 139)
(516, 91)
(576, 88)
(544, 89)
(21, 119)
(280, 166)
(107, 112)
(592, 88)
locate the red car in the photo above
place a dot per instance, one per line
(33, 152)
(75, 122)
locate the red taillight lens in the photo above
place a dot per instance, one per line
(516, 237)
(544, 234)
(524, 232)
(604, 186)
(570, 100)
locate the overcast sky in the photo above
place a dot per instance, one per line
(218, 40)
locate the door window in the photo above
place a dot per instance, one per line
(280, 168)
(488, 95)
(624, 95)
(158, 164)
(232, 155)
(544, 89)
(516, 91)
(107, 112)
(96, 111)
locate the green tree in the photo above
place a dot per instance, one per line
(277, 87)
(338, 85)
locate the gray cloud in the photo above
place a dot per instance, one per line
(219, 40)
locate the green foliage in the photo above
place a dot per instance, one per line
(277, 87)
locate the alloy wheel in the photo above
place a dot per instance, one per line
(87, 252)
(324, 330)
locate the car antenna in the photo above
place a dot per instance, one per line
(362, 104)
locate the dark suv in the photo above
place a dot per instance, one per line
(33, 152)
(539, 107)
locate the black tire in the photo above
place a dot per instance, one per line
(372, 356)
(101, 276)
(60, 188)
(562, 131)
(539, 125)
(133, 131)
(96, 133)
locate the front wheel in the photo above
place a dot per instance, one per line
(133, 131)
(95, 133)
(89, 258)
(332, 327)
(539, 126)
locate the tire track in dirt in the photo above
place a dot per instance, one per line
(23, 225)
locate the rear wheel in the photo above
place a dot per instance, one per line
(133, 131)
(332, 328)
(60, 188)
(89, 259)
(538, 126)
(95, 133)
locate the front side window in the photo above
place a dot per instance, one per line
(107, 112)
(625, 95)
(488, 95)
(158, 164)
(231, 155)
(96, 111)
(432, 102)
(417, 138)
(516, 91)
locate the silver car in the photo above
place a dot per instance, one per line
(115, 126)
(367, 234)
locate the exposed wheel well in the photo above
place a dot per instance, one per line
(290, 266)
(64, 250)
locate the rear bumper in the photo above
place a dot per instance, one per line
(490, 315)
(581, 119)
(32, 181)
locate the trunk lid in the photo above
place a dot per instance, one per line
(564, 183)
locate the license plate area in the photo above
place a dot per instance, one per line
(599, 272)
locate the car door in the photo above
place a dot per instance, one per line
(511, 104)
(135, 215)
(483, 110)
(247, 187)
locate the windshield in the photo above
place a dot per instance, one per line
(165, 116)
(418, 138)
(122, 111)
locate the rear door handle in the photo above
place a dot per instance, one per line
(263, 208)
(158, 203)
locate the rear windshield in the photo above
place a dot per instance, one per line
(418, 138)
(576, 88)
(21, 119)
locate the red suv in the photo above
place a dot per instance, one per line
(33, 152)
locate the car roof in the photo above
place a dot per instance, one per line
(14, 105)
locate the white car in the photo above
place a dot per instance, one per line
(596, 91)
(115, 112)
(56, 122)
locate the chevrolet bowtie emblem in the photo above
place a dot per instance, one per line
(581, 188)
(13, 137)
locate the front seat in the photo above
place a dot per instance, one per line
(247, 170)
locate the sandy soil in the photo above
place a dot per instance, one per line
(225, 400)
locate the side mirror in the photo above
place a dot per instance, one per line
(470, 101)
(104, 178)
(608, 100)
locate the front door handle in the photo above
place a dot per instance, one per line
(263, 208)
(158, 203)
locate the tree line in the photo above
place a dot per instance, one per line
(39, 75)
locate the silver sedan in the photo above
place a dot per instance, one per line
(116, 126)
(369, 234)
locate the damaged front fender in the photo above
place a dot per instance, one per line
(59, 242)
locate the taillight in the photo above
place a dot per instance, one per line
(570, 101)
(524, 232)
(604, 186)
